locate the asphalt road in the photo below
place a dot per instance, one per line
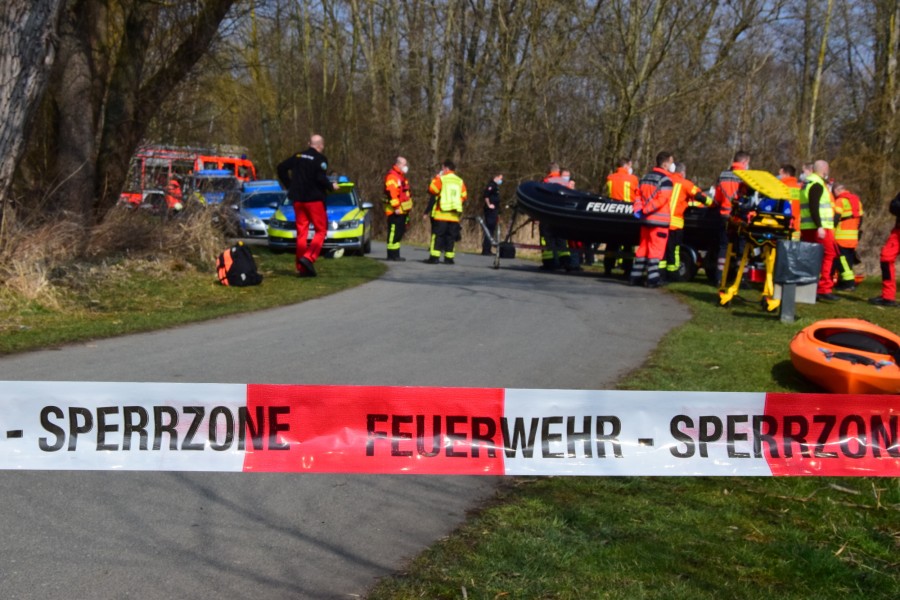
(190, 535)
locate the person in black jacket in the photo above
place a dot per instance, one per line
(305, 177)
(491, 210)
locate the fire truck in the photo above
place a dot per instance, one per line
(153, 166)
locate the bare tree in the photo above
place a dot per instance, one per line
(27, 35)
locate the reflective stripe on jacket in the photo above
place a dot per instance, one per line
(728, 189)
(621, 185)
(849, 207)
(450, 191)
(396, 193)
(654, 198)
(683, 190)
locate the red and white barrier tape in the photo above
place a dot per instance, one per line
(443, 431)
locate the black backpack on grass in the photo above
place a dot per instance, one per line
(236, 267)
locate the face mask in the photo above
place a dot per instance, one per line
(498, 181)
(630, 171)
(671, 167)
(405, 169)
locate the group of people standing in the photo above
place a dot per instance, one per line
(447, 195)
(305, 177)
(660, 199)
(824, 213)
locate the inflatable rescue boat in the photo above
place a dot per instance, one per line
(578, 215)
(848, 356)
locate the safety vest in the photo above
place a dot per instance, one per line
(848, 206)
(826, 205)
(451, 192)
(621, 185)
(396, 193)
(654, 198)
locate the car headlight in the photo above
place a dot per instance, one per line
(353, 224)
(255, 221)
(285, 225)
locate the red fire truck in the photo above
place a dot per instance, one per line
(153, 166)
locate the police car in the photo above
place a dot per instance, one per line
(349, 222)
(259, 201)
(216, 186)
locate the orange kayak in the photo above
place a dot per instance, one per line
(848, 356)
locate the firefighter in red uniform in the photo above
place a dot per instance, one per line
(305, 177)
(448, 194)
(729, 188)
(653, 206)
(684, 193)
(397, 205)
(889, 253)
(848, 216)
(621, 185)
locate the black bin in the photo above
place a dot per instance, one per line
(797, 263)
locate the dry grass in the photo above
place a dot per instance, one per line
(39, 261)
(28, 255)
(193, 235)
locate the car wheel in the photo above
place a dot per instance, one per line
(688, 259)
(367, 247)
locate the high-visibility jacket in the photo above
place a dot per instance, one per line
(728, 189)
(654, 197)
(683, 189)
(793, 182)
(848, 206)
(551, 175)
(826, 205)
(450, 193)
(396, 193)
(621, 185)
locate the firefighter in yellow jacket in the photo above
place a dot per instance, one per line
(448, 193)
(397, 206)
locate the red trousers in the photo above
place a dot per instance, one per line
(889, 253)
(826, 283)
(306, 213)
(653, 243)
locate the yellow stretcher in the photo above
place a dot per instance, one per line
(760, 230)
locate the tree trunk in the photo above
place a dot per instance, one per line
(76, 128)
(886, 70)
(27, 37)
(817, 80)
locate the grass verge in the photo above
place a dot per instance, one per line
(691, 538)
(127, 296)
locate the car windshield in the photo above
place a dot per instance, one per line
(342, 199)
(216, 184)
(263, 199)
